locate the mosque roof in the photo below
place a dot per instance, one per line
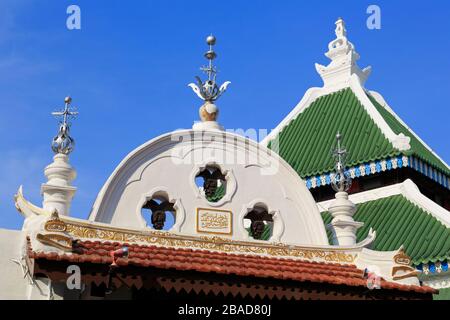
(98, 252)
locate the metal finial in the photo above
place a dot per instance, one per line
(209, 90)
(341, 181)
(211, 40)
(63, 143)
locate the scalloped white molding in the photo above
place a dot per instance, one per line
(408, 189)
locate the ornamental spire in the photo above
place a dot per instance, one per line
(343, 58)
(63, 143)
(342, 209)
(208, 90)
(58, 190)
(341, 182)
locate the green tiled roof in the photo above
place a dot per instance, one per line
(417, 148)
(397, 221)
(306, 142)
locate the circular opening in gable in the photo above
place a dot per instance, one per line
(211, 183)
(159, 213)
(259, 223)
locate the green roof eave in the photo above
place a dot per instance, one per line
(397, 221)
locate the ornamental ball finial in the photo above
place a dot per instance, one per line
(67, 99)
(211, 40)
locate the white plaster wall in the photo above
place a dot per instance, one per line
(13, 286)
(169, 164)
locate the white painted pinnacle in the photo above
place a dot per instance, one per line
(343, 58)
(58, 192)
(343, 226)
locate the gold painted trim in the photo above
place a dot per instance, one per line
(55, 224)
(402, 258)
(211, 232)
(413, 274)
(165, 239)
(55, 240)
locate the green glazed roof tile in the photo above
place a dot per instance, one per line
(397, 221)
(306, 142)
(417, 147)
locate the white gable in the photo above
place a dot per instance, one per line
(168, 165)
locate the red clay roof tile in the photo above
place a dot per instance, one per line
(223, 263)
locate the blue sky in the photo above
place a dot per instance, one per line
(128, 68)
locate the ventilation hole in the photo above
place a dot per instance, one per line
(259, 223)
(211, 183)
(159, 213)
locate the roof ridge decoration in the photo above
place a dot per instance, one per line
(343, 58)
(209, 91)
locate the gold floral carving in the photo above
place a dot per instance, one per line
(207, 243)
